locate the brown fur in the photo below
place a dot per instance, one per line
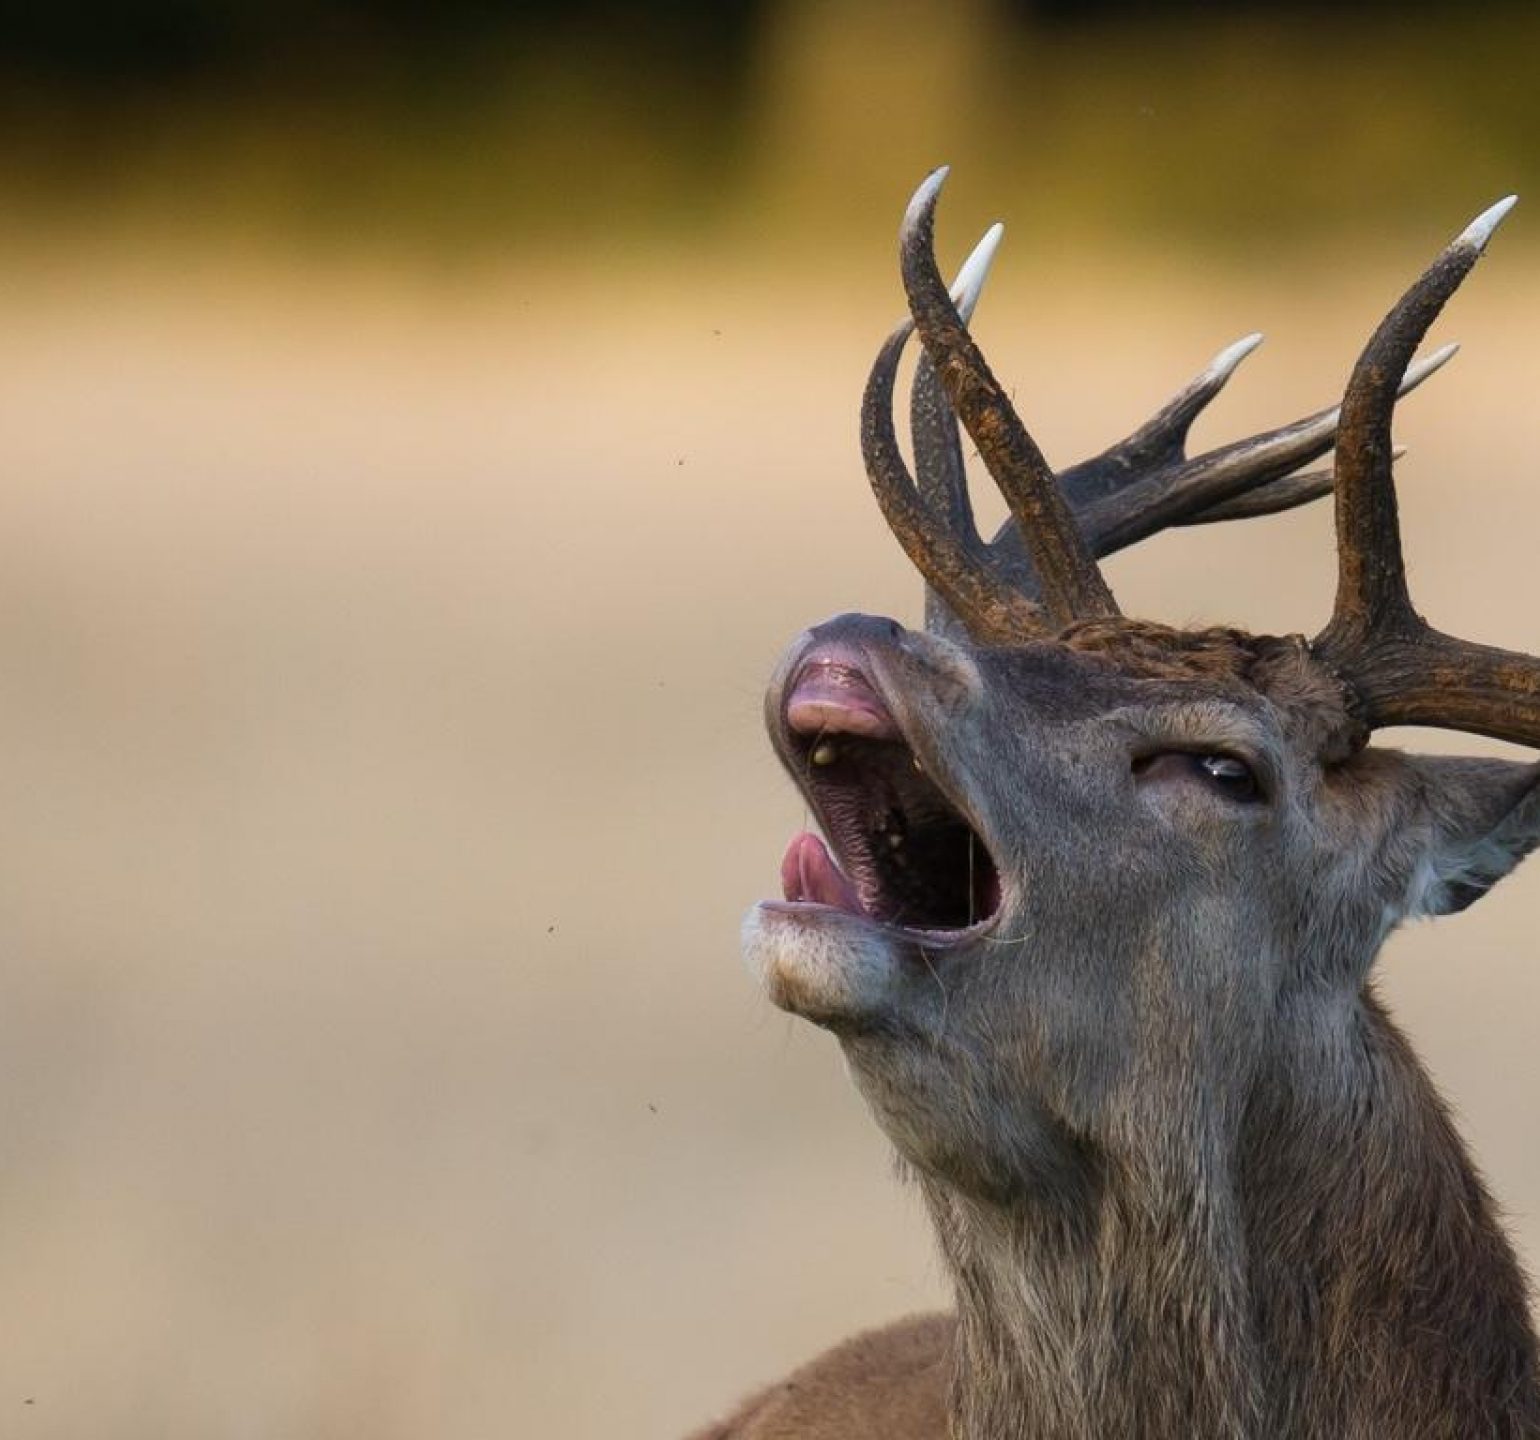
(876, 1386)
(1188, 1180)
(1318, 706)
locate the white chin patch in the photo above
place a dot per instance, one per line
(819, 963)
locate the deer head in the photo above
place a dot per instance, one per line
(1096, 914)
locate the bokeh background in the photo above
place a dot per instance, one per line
(420, 429)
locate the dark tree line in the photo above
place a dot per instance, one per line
(110, 43)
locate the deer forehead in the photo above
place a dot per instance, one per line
(1200, 679)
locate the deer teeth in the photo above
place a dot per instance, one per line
(826, 752)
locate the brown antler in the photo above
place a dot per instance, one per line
(955, 564)
(1072, 586)
(1138, 486)
(1400, 669)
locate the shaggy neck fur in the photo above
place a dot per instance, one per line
(1337, 1272)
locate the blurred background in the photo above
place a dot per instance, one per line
(421, 428)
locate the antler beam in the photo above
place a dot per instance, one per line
(1401, 670)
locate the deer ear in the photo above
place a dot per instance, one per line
(1485, 818)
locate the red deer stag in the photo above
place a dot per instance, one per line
(1094, 926)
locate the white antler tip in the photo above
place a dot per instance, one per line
(1479, 231)
(1232, 355)
(925, 197)
(1419, 370)
(975, 270)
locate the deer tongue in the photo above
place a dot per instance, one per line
(808, 872)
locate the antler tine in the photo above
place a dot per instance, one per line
(1165, 433)
(1178, 492)
(1401, 670)
(939, 472)
(1237, 481)
(1162, 439)
(1272, 498)
(1072, 586)
(938, 457)
(956, 567)
(1371, 585)
(1118, 514)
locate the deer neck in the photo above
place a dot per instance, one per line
(1330, 1265)
(1388, 1300)
(1121, 1310)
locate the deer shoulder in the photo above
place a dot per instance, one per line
(887, 1384)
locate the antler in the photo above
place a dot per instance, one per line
(1138, 486)
(956, 566)
(1401, 670)
(1147, 482)
(1072, 586)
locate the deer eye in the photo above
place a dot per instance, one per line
(1231, 777)
(1226, 774)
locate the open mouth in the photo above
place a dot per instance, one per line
(899, 851)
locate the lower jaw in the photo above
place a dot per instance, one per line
(822, 964)
(829, 929)
(811, 912)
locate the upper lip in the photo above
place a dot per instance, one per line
(831, 694)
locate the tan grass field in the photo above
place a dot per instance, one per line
(383, 779)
